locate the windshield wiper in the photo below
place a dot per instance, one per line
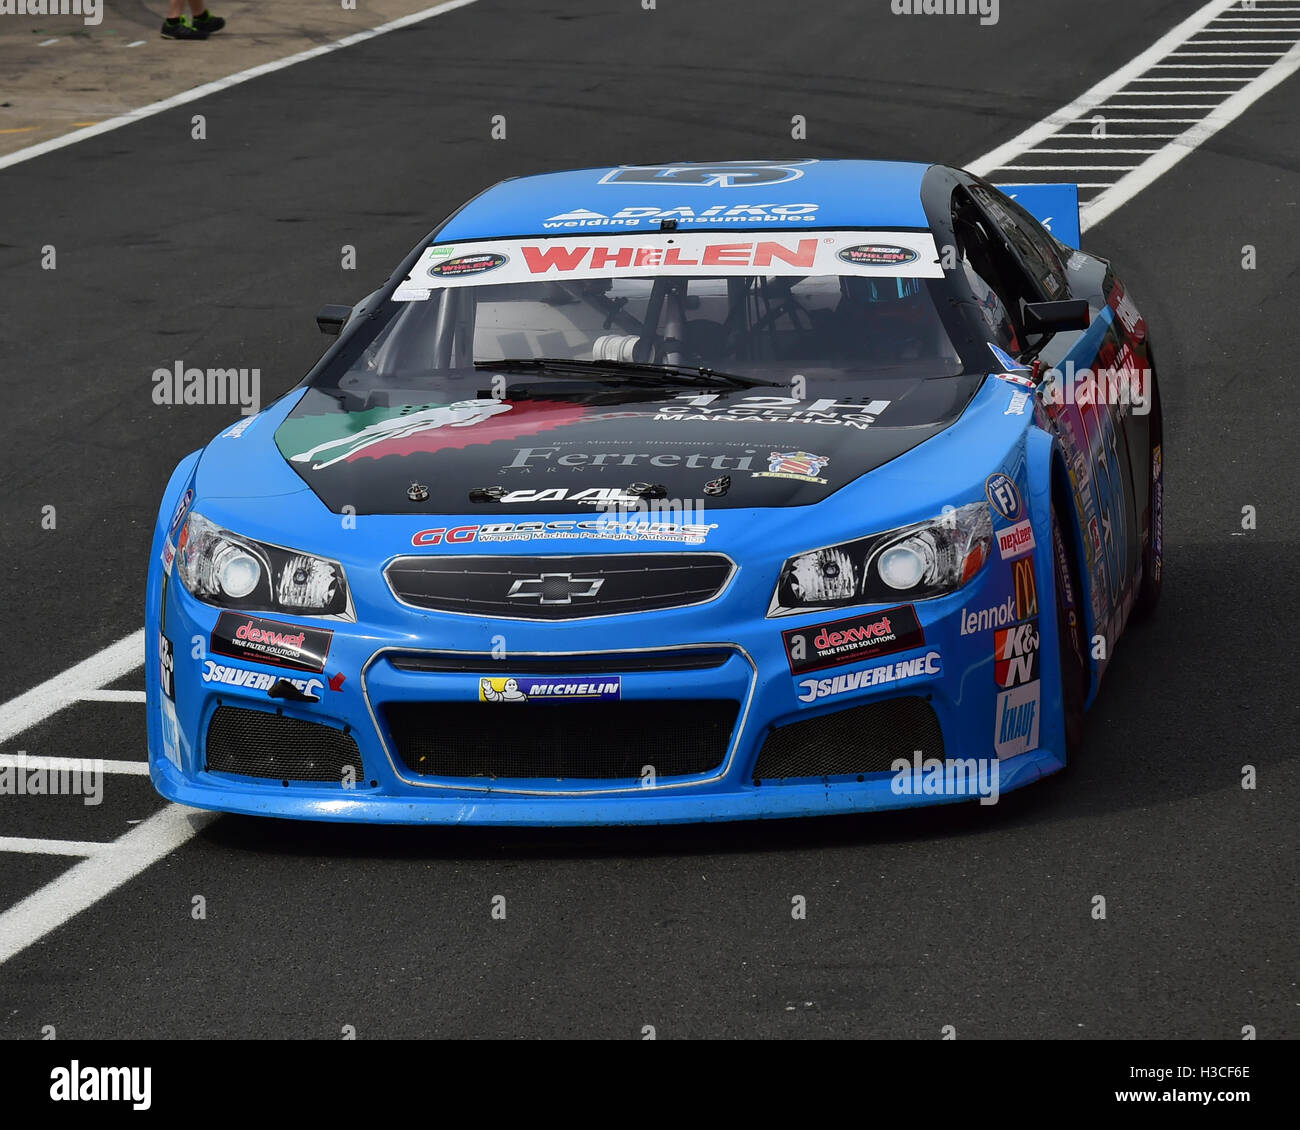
(691, 375)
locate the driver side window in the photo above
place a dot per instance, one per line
(991, 274)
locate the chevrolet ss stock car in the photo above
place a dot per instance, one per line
(672, 493)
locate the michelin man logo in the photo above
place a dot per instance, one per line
(501, 690)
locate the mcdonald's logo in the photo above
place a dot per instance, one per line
(1022, 575)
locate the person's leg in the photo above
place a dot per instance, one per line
(175, 27)
(202, 18)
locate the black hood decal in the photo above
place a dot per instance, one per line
(568, 452)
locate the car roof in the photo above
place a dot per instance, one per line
(766, 194)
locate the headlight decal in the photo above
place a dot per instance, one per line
(917, 562)
(231, 571)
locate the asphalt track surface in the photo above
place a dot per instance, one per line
(219, 252)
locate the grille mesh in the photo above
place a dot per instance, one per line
(558, 588)
(863, 739)
(257, 743)
(562, 740)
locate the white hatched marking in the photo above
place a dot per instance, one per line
(77, 764)
(28, 846)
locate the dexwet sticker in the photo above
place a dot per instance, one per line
(852, 639)
(271, 642)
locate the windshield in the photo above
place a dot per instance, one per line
(866, 310)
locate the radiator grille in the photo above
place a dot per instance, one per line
(257, 743)
(562, 740)
(863, 739)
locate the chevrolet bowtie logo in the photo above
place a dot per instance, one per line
(555, 588)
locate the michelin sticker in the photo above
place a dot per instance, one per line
(522, 689)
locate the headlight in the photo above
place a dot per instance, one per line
(914, 563)
(231, 571)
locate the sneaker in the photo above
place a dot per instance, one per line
(209, 23)
(181, 29)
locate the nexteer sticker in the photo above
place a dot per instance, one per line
(515, 688)
(852, 639)
(271, 642)
(1015, 540)
(645, 254)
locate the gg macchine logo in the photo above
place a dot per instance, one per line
(1004, 496)
(720, 174)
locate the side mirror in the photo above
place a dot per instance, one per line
(331, 319)
(1050, 317)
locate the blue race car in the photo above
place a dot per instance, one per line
(672, 493)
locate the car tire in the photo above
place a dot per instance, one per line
(1070, 633)
(1148, 594)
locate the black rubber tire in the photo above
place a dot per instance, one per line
(1148, 594)
(1070, 631)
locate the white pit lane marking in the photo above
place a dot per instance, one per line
(207, 88)
(29, 846)
(110, 866)
(1239, 92)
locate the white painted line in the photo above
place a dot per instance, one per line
(77, 764)
(1072, 168)
(137, 43)
(87, 882)
(1152, 149)
(1108, 87)
(1130, 185)
(220, 84)
(113, 696)
(109, 665)
(47, 42)
(51, 847)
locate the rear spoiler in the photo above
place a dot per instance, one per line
(1055, 206)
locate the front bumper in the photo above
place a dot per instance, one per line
(362, 679)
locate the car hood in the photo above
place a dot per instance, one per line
(572, 451)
